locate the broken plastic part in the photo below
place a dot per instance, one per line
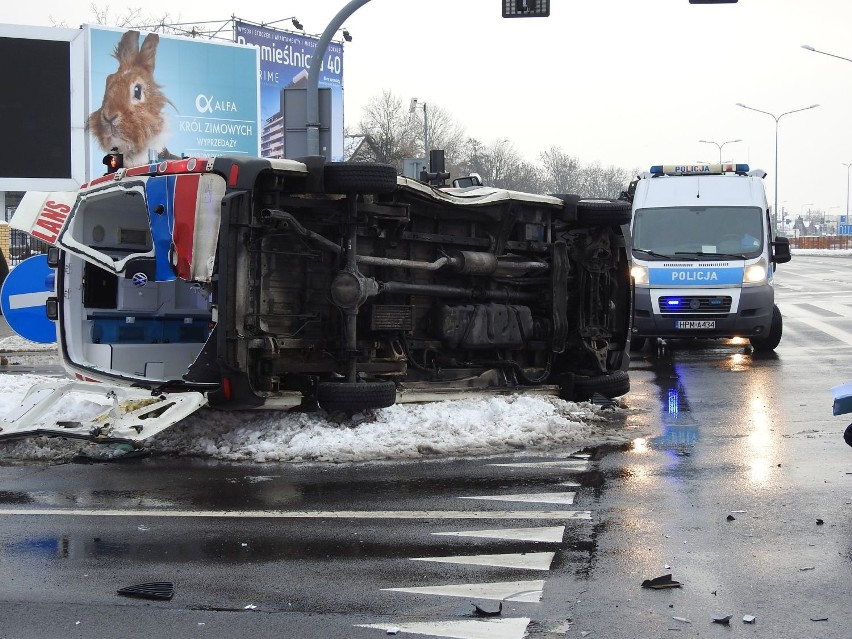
(163, 590)
(726, 619)
(665, 581)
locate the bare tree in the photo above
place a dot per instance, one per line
(391, 129)
(560, 171)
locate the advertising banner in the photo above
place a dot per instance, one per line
(284, 61)
(154, 97)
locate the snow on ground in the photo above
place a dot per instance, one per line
(462, 428)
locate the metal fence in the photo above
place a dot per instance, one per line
(822, 242)
(22, 246)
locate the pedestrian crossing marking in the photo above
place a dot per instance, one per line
(523, 561)
(519, 591)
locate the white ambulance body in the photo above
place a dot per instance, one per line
(703, 255)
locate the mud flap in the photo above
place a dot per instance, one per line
(135, 413)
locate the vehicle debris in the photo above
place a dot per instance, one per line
(725, 620)
(485, 612)
(162, 590)
(749, 619)
(664, 581)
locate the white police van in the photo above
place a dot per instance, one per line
(704, 254)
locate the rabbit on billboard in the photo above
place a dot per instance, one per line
(130, 119)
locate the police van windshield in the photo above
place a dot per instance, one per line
(681, 231)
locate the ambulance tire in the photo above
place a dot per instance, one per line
(604, 212)
(773, 338)
(359, 177)
(358, 396)
(614, 384)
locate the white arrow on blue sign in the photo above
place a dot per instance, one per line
(23, 299)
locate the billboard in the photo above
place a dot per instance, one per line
(41, 108)
(284, 61)
(154, 97)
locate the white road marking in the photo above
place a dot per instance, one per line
(565, 498)
(28, 300)
(307, 514)
(514, 628)
(567, 464)
(828, 329)
(524, 561)
(520, 591)
(552, 534)
(572, 484)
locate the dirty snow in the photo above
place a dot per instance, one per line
(461, 428)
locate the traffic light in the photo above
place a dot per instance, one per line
(113, 161)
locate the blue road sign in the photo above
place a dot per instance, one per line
(23, 298)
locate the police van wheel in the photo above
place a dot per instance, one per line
(637, 343)
(773, 338)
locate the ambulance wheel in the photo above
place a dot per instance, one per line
(360, 177)
(771, 340)
(334, 396)
(604, 212)
(614, 384)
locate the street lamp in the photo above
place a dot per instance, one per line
(412, 107)
(847, 165)
(719, 145)
(777, 118)
(810, 48)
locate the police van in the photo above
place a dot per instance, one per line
(703, 255)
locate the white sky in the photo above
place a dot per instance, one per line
(624, 82)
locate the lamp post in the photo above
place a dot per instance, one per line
(719, 145)
(412, 107)
(847, 165)
(777, 119)
(839, 57)
(312, 124)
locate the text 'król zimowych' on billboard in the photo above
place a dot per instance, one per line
(156, 97)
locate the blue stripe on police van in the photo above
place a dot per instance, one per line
(695, 276)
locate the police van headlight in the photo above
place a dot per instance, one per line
(755, 273)
(639, 274)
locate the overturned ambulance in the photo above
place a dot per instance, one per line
(262, 283)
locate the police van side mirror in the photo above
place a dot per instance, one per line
(781, 250)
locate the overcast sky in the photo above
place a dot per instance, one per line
(624, 82)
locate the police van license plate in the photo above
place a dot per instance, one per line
(692, 324)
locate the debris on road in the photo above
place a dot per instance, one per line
(483, 612)
(731, 518)
(749, 618)
(163, 590)
(665, 581)
(726, 619)
(682, 619)
(820, 522)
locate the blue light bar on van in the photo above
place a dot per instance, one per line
(698, 169)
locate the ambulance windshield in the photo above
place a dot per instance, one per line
(702, 230)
